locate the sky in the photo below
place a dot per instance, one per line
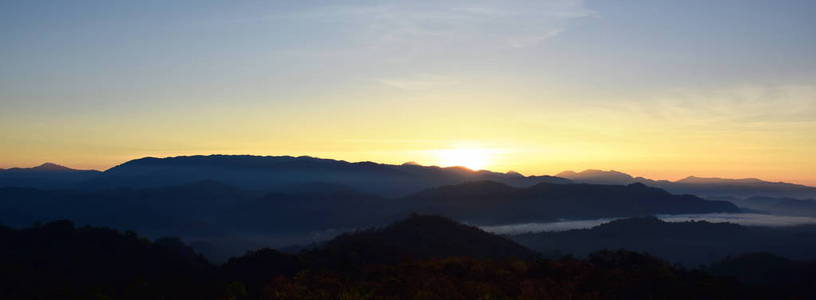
(654, 88)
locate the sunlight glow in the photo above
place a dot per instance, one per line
(471, 158)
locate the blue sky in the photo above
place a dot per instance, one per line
(632, 85)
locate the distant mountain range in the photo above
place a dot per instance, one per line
(268, 173)
(47, 175)
(488, 202)
(691, 243)
(774, 205)
(422, 257)
(223, 220)
(703, 187)
(263, 173)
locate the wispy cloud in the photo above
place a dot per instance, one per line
(448, 23)
(744, 107)
(420, 82)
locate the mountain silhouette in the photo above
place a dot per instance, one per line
(273, 172)
(222, 220)
(769, 270)
(47, 175)
(598, 177)
(432, 257)
(701, 186)
(690, 243)
(487, 202)
(776, 205)
(58, 260)
(417, 237)
(268, 173)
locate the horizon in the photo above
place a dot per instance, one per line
(407, 149)
(417, 163)
(660, 89)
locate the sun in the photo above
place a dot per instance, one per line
(471, 158)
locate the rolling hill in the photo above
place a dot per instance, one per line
(700, 186)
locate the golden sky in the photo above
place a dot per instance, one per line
(532, 86)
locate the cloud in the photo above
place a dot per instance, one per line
(747, 103)
(420, 82)
(448, 23)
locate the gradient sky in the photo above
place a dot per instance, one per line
(662, 89)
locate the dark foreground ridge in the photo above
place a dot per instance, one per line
(223, 220)
(418, 237)
(691, 243)
(60, 261)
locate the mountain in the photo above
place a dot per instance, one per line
(222, 220)
(778, 206)
(417, 237)
(431, 257)
(689, 243)
(598, 177)
(60, 261)
(768, 270)
(47, 175)
(219, 219)
(272, 172)
(269, 173)
(742, 188)
(704, 187)
(487, 202)
(423, 257)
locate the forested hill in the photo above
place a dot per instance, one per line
(487, 202)
(423, 257)
(691, 243)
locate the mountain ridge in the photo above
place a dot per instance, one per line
(267, 172)
(270, 172)
(701, 186)
(691, 242)
(488, 202)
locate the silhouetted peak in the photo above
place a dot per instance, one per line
(567, 174)
(513, 174)
(717, 180)
(594, 172)
(410, 163)
(46, 168)
(460, 169)
(51, 167)
(422, 236)
(598, 176)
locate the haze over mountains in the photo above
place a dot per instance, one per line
(227, 204)
(273, 172)
(47, 175)
(224, 206)
(689, 243)
(488, 202)
(421, 257)
(704, 187)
